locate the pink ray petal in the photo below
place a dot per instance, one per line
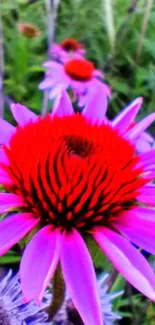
(41, 257)
(79, 274)
(96, 107)
(4, 177)
(127, 116)
(127, 260)
(22, 114)
(15, 227)
(9, 201)
(148, 157)
(136, 131)
(142, 145)
(62, 105)
(57, 90)
(6, 131)
(139, 227)
(3, 157)
(148, 195)
(48, 82)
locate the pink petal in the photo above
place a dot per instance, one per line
(9, 201)
(22, 114)
(136, 131)
(127, 260)
(142, 145)
(39, 262)
(127, 116)
(15, 227)
(62, 105)
(148, 195)
(96, 107)
(148, 157)
(139, 227)
(6, 132)
(48, 82)
(79, 275)
(4, 177)
(3, 157)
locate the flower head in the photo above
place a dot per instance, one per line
(78, 74)
(13, 310)
(72, 175)
(68, 314)
(67, 49)
(28, 30)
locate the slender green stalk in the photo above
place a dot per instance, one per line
(149, 4)
(109, 21)
(1, 65)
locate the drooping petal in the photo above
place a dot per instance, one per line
(15, 227)
(127, 116)
(62, 105)
(127, 260)
(142, 145)
(3, 157)
(4, 177)
(8, 201)
(42, 253)
(139, 227)
(22, 114)
(80, 277)
(136, 131)
(148, 157)
(6, 131)
(96, 107)
(148, 195)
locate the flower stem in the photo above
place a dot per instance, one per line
(58, 293)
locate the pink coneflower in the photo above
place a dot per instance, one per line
(67, 49)
(70, 176)
(78, 74)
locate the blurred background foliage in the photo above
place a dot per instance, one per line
(119, 36)
(111, 30)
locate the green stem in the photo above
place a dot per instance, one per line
(58, 293)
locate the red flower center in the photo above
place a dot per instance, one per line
(70, 44)
(79, 69)
(72, 173)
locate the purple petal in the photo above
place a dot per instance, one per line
(136, 131)
(62, 105)
(79, 275)
(39, 262)
(139, 227)
(3, 157)
(96, 107)
(127, 116)
(148, 195)
(142, 145)
(47, 83)
(4, 177)
(127, 260)
(22, 114)
(6, 132)
(148, 157)
(15, 227)
(8, 201)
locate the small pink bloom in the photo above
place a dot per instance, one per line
(79, 75)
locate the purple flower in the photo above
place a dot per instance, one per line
(13, 310)
(78, 74)
(71, 175)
